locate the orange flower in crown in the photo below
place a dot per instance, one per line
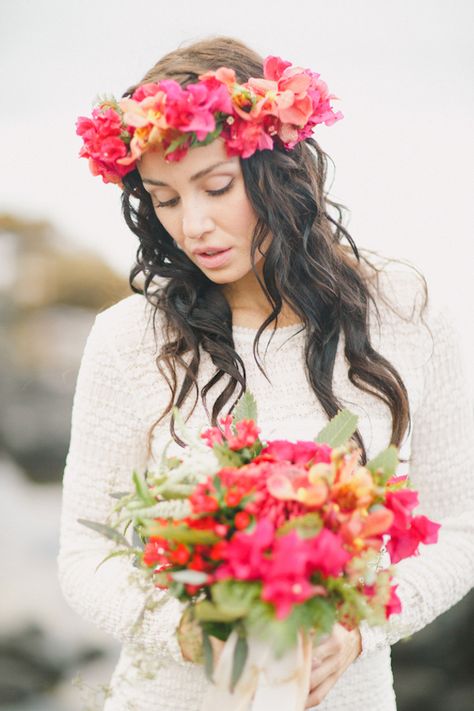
(281, 108)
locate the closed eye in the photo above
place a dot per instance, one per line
(212, 193)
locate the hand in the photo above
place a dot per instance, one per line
(331, 659)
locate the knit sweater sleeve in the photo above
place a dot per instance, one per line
(440, 468)
(108, 441)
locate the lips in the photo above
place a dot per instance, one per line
(214, 250)
(214, 260)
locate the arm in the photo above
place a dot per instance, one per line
(108, 441)
(441, 470)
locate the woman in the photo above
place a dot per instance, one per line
(238, 248)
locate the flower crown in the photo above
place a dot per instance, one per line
(283, 107)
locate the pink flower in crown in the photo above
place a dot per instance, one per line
(303, 100)
(188, 110)
(145, 90)
(104, 123)
(111, 149)
(223, 75)
(243, 138)
(108, 175)
(103, 144)
(146, 121)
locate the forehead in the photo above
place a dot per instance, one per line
(153, 165)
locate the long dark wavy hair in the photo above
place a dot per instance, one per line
(305, 266)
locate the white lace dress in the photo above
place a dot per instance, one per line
(120, 394)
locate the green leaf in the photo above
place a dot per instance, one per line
(115, 554)
(189, 577)
(235, 597)
(119, 494)
(321, 613)
(338, 430)
(226, 457)
(106, 531)
(181, 534)
(207, 611)
(307, 525)
(209, 138)
(241, 651)
(176, 143)
(385, 462)
(220, 630)
(142, 489)
(246, 408)
(208, 655)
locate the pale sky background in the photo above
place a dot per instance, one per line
(403, 153)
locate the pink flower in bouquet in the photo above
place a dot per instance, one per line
(246, 434)
(301, 452)
(404, 542)
(328, 554)
(407, 531)
(286, 577)
(401, 503)
(243, 558)
(394, 605)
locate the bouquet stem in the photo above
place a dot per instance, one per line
(266, 682)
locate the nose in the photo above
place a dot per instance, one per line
(196, 221)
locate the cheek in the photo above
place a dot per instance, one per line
(244, 219)
(169, 222)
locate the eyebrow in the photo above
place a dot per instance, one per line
(194, 177)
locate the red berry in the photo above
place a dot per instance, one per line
(242, 520)
(233, 498)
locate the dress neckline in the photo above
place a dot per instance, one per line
(247, 333)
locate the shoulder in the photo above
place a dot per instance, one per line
(399, 289)
(125, 329)
(408, 318)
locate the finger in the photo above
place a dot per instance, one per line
(323, 651)
(319, 694)
(322, 672)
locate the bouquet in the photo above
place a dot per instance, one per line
(268, 544)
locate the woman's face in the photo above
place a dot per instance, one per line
(201, 202)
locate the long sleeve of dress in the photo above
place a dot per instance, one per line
(108, 441)
(441, 469)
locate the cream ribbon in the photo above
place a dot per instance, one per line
(266, 682)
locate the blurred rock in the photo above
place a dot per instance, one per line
(32, 662)
(434, 668)
(49, 295)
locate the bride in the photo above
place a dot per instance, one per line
(239, 248)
